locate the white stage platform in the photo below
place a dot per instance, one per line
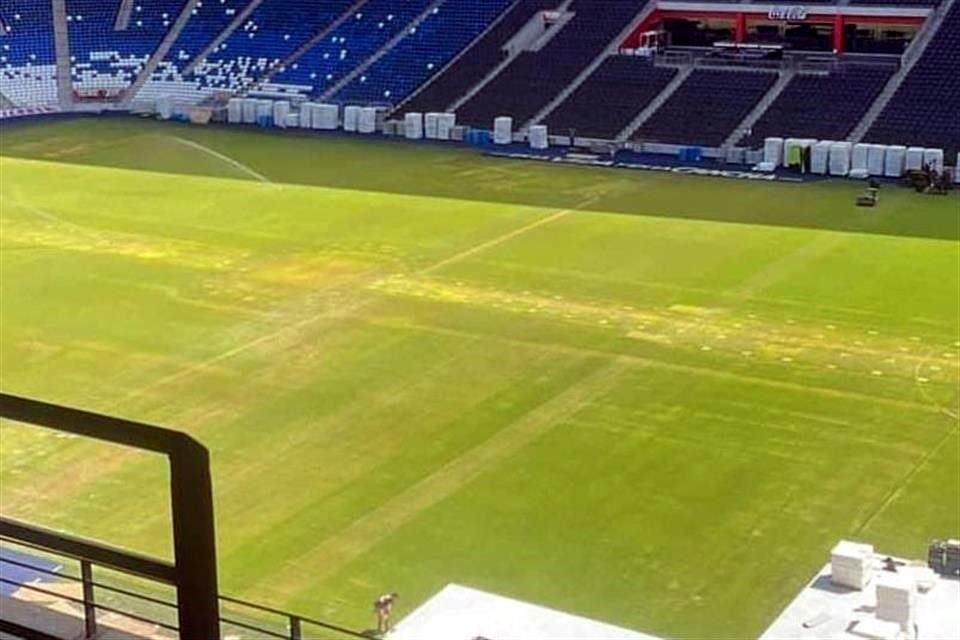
(461, 613)
(824, 611)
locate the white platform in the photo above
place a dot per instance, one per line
(461, 613)
(825, 611)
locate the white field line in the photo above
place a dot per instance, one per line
(497, 241)
(926, 394)
(23, 203)
(900, 486)
(216, 154)
(299, 324)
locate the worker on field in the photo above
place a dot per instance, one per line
(383, 606)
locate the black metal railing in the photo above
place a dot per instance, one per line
(291, 626)
(197, 608)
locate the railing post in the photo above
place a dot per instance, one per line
(296, 633)
(89, 603)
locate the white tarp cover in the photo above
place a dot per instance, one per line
(264, 108)
(431, 126)
(367, 122)
(914, 159)
(538, 137)
(413, 126)
(306, 115)
(235, 110)
(820, 157)
(840, 158)
(503, 130)
(316, 117)
(351, 117)
(250, 110)
(326, 117)
(773, 151)
(858, 162)
(933, 158)
(164, 107)
(281, 109)
(895, 161)
(445, 126)
(876, 155)
(293, 120)
(461, 613)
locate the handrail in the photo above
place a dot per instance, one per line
(294, 621)
(311, 621)
(193, 571)
(102, 607)
(99, 585)
(98, 553)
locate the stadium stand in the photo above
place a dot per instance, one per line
(104, 59)
(556, 60)
(274, 30)
(610, 98)
(207, 21)
(924, 110)
(706, 108)
(428, 46)
(529, 83)
(27, 52)
(477, 61)
(355, 40)
(826, 107)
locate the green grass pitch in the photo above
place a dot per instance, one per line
(649, 399)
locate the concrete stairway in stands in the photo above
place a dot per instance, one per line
(161, 51)
(503, 64)
(366, 64)
(652, 108)
(611, 49)
(744, 127)
(312, 42)
(123, 15)
(226, 33)
(62, 44)
(914, 53)
(5, 102)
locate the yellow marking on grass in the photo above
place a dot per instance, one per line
(705, 371)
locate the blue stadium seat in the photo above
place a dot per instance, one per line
(28, 53)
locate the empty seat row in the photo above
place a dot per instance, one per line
(357, 38)
(28, 52)
(534, 78)
(706, 108)
(611, 98)
(824, 107)
(208, 20)
(925, 110)
(477, 61)
(105, 58)
(269, 35)
(449, 27)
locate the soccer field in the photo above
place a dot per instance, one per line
(650, 399)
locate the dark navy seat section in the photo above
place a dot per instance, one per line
(611, 98)
(533, 79)
(706, 108)
(925, 111)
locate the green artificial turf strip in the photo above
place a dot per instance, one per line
(651, 399)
